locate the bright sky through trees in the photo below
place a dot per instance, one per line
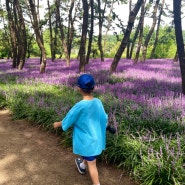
(122, 10)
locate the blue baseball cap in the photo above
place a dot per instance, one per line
(86, 82)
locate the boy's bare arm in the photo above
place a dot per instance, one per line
(57, 124)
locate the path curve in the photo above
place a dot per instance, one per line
(32, 156)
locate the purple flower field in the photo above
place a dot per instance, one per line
(144, 103)
(155, 83)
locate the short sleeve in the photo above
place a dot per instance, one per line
(71, 117)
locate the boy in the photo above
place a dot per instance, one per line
(89, 122)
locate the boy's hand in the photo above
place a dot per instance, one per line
(57, 124)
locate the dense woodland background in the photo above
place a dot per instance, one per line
(67, 29)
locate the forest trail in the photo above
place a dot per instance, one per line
(31, 156)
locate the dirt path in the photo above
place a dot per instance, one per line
(31, 156)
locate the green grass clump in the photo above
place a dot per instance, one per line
(151, 148)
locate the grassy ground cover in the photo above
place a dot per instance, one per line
(144, 103)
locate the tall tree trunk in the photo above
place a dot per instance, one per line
(55, 31)
(21, 35)
(61, 27)
(29, 45)
(126, 37)
(15, 20)
(140, 24)
(82, 51)
(101, 15)
(129, 45)
(39, 37)
(157, 31)
(70, 28)
(12, 33)
(179, 39)
(52, 46)
(91, 31)
(151, 31)
(140, 32)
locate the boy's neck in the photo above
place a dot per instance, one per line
(87, 97)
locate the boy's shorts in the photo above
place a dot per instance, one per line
(89, 158)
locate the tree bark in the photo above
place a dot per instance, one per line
(126, 37)
(179, 39)
(101, 15)
(129, 44)
(21, 36)
(61, 28)
(71, 29)
(139, 27)
(91, 31)
(52, 46)
(176, 58)
(151, 31)
(12, 34)
(39, 37)
(82, 51)
(157, 31)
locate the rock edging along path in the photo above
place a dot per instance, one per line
(32, 156)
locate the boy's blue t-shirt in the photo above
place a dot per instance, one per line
(89, 120)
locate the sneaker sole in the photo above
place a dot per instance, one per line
(79, 168)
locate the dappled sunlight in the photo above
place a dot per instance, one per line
(28, 134)
(14, 167)
(2, 129)
(5, 164)
(7, 160)
(26, 150)
(4, 112)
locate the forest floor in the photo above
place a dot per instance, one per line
(31, 156)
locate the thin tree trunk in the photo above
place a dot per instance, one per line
(101, 15)
(151, 31)
(157, 31)
(70, 27)
(61, 27)
(52, 46)
(29, 45)
(91, 31)
(39, 37)
(179, 39)
(175, 59)
(126, 37)
(141, 19)
(129, 41)
(82, 50)
(140, 32)
(56, 33)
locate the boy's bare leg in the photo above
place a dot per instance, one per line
(93, 171)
